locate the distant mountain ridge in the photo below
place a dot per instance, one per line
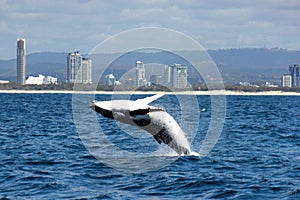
(247, 64)
(47, 63)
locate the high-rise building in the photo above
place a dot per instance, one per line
(86, 70)
(167, 75)
(21, 61)
(79, 70)
(286, 80)
(295, 74)
(157, 79)
(140, 75)
(179, 76)
(74, 62)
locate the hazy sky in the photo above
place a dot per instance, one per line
(65, 26)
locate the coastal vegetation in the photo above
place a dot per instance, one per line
(101, 87)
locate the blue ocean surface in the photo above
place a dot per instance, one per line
(42, 156)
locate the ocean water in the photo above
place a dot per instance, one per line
(42, 155)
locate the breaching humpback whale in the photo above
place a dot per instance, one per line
(154, 120)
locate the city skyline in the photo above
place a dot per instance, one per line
(174, 76)
(30, 72)
(215, 25)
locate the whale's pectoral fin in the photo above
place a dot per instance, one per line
(150, 99)
(163, 136)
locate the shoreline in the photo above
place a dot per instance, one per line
(214, 92)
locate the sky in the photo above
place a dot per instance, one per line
(70, 25)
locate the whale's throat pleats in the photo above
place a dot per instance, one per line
(163, 136)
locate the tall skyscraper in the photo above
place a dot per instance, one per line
(179, 76)
(295, 73)
(86, 70)
(79, 70)
(157, 79)
(140, 75)
(21, 61)
(74, 62)
(167, 76)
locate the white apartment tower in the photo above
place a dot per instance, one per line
(86, 70)
(179, 76)
(140, 76)
(167, 75)
(79, 70)
(21, 61)
(74, 61)
(286, 80)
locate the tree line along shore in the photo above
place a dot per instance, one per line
(100, 87)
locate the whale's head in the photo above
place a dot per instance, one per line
(103, 108)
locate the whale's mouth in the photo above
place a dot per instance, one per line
(103, 112)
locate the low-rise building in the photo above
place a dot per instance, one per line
(3, 81)
(40, 80)
(268, 84)
(50, 80)
(110, 79)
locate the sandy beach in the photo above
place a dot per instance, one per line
(214, 92)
